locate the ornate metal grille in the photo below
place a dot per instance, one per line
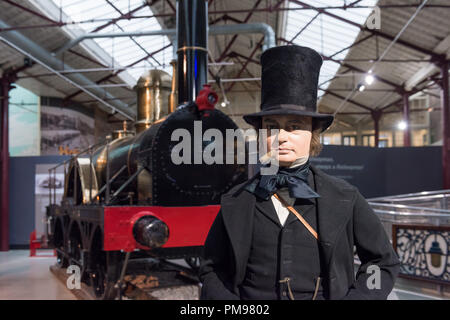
(423, 252)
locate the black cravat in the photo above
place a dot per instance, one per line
(295, 179)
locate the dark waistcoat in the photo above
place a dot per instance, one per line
(278, 252)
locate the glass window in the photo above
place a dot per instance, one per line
(349, 140)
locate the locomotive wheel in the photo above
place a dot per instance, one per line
(111, 292)
(76, 254)
(61, 260)
(99, 280)
(60, 244)
(75, 251)
(103, 288)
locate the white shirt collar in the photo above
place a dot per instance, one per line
(299, 161)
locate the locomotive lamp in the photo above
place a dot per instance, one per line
(206, 98)
(151, 232)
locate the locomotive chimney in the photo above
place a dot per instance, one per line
(192, 36)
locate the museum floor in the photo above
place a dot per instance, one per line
(25, 278)
(22, 277)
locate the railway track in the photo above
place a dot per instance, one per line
(143, 281)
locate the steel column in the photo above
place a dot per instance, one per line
(376, 116)
(445, 103)
(407, 131)
(6, 81)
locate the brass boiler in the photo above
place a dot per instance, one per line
(154, 90)
(153, 95)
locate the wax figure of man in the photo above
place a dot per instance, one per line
(257, 247)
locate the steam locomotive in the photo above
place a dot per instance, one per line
(125, 199)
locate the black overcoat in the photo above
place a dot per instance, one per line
(344, 220)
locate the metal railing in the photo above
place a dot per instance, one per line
(88, 153)
(411, 220)
(422, 208)
(430, 199)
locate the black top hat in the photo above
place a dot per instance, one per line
(290, 77)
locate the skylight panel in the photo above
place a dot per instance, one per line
(138, 24)
(123, 51)
(324, 33)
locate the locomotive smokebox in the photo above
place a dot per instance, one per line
(151, 232)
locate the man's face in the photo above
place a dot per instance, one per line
(294, 137)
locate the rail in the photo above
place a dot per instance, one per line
(422, 208)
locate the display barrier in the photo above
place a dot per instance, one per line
(419, 227)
